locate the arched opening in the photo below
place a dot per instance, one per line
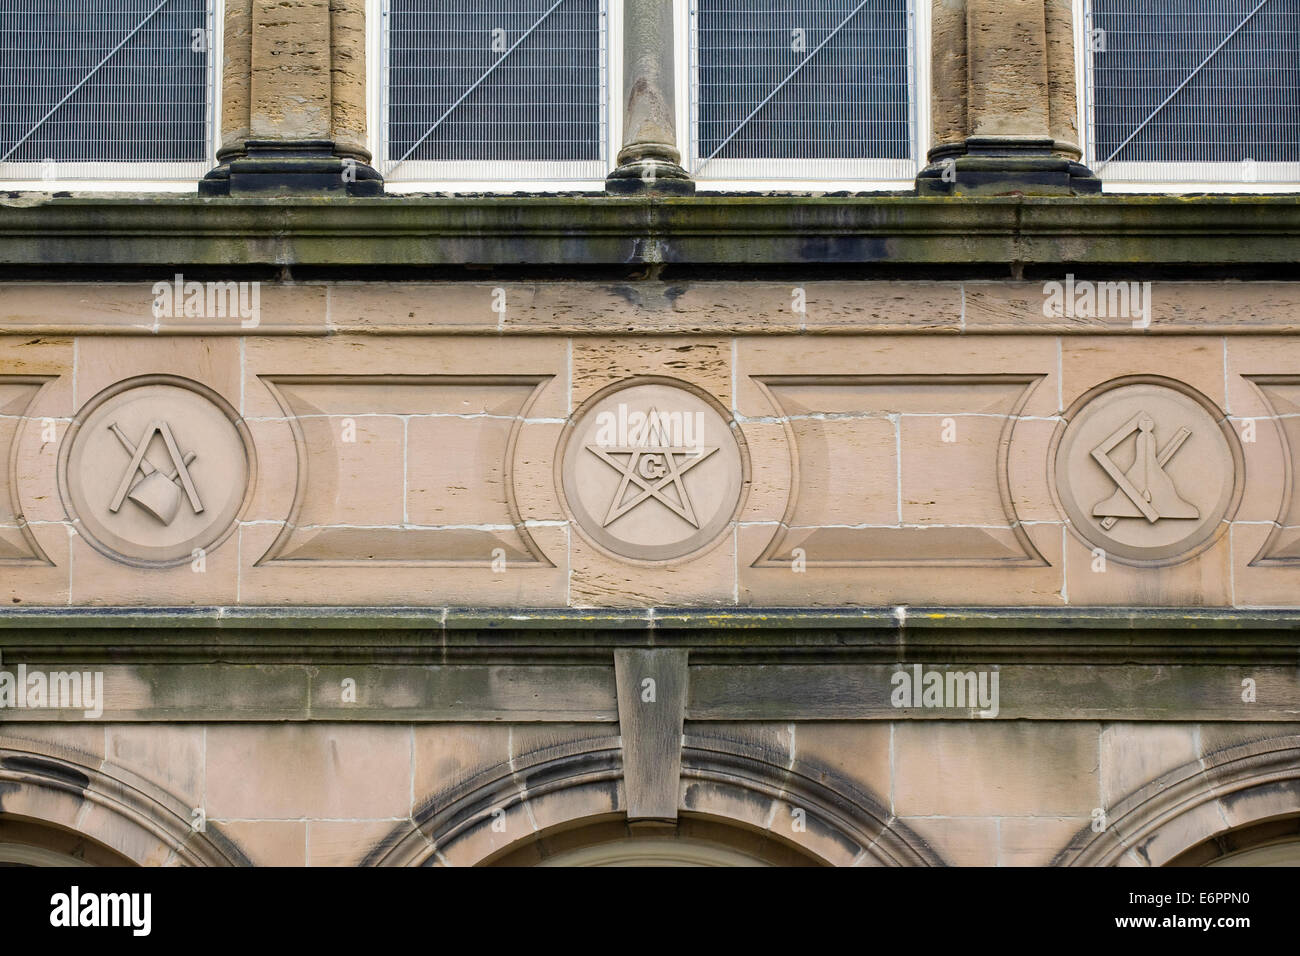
(28, 843)
(55, 801)
(566, 805)
(692, 841)
(1271, 843)
(1239, 806)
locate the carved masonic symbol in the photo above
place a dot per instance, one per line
(157, 493)
(1145, 490)
(656, 469)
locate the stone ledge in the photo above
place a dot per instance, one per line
(420, 231)
(450, 619)
(565, 637)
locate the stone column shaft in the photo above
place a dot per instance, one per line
(1004, 100)
(236, 76)
(1061, 92)
(294, 100)
(1006, 65)
(649, 160)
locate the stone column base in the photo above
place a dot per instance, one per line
(291, 166)
(649, 170)
(648, 176)
(987, 166)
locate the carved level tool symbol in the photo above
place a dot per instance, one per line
(1146, 490)
(156, 493)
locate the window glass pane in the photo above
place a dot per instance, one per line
(103, 80)
(828, 78)
(1243, 104)
(476, 80)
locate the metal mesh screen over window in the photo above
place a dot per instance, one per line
(105, 89)
(475, 82)
(1194, 90)
(824, 87)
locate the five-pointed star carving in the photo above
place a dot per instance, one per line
(677, 462)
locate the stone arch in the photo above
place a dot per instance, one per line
(25, 843)
(1238, 787)
(53, 787)
(1271, 843)
(726, 788)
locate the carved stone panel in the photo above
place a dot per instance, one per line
(847, 431)
(652, 469)
(155, 468)
(405, 470)
(17, 544)
(1147, 469)
(1281, 394)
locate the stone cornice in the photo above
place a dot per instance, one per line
(1181, 233)
(557, 636)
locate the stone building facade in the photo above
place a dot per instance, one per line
(947, 526)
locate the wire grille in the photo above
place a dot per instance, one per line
(114, 89)
(472, 84)
(1194, 90)
(826, 83)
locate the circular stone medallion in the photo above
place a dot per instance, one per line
(652, 469)
(1147, 469)
(154, 468)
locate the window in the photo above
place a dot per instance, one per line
(110, 90)
(813, 90)
(505, 90)
(1192, 92)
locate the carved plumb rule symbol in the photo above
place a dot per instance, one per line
(1146, 490)
(1147, 471)
(652, 470)
(153, 469)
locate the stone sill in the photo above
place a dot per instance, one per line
(421, 232)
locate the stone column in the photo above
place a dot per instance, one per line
(649, 161)
(1004, 100)
(293, 119)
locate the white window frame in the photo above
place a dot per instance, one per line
(793, 175)
(114, 176)
(496, 175)
(1154, 177)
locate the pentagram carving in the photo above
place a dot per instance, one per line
(652, 469)
(154, 469)
(1147, 470)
